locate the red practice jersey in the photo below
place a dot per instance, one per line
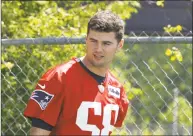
(68, 98)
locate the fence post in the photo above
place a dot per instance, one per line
(175, 112)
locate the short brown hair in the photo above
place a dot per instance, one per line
(106, 21)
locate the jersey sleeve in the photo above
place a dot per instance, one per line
(46, 100)
(124, 103)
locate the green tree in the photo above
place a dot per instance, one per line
(23, 65)
(149, 76)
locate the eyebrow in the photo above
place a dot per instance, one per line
(102, 41)
(107, 42)
(92, 39)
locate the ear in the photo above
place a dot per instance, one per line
(86, 39)
(120, 45)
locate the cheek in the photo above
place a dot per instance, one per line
(88, 46)
(89, 49)
(111, 51)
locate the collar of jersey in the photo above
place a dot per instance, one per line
(99, 79)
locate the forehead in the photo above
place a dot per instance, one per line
(102, 36)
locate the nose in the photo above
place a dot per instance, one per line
(99, 47)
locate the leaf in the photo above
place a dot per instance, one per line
(173, 58)
(168, 52)
(178, 55)
(178, 28)
(41, 2)
(173, 29)
(160, 3)
(174, 53)
(8, 65)
(174, 48)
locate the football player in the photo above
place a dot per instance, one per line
(81, 96)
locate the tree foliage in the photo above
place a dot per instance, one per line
(22, 66)
(147, 74)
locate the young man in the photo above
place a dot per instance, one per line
(81, 97)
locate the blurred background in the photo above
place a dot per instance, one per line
(156, 72)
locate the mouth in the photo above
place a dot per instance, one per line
(98, 57)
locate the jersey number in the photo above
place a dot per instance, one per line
(82, 117)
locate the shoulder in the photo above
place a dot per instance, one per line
(59, 71)
(114, 81)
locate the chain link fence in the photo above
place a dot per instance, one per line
(158, 83)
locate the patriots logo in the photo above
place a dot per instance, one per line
(42, 98)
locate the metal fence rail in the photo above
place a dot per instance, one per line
(158, 87)
(67, 40)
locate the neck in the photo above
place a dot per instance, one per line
(101, 71)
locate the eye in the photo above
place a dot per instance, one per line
(93, 41)
(107, 44)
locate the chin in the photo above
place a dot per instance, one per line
(98, 64)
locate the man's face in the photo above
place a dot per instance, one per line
(101, 48)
